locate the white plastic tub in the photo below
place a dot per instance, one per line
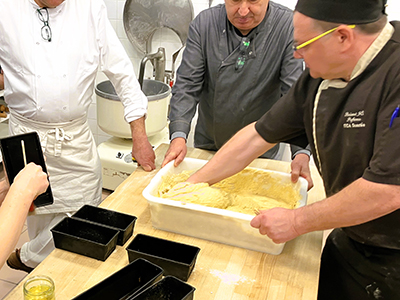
(218, 225)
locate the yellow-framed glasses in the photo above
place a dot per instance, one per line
(295, 48)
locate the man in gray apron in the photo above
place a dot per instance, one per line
(237, 63)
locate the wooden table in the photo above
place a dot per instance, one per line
(221, 271)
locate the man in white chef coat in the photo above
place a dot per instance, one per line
(50, 51)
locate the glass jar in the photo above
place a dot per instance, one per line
(39, 287)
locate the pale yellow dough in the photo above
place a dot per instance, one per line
(245, 192)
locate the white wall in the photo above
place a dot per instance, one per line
(170, 41)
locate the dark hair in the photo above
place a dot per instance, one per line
(369, 28)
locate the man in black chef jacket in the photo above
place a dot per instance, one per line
(346, 106)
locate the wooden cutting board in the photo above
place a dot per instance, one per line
(221, 271)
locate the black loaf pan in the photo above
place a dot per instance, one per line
(113, 219)
(168, 288)
(85, 238)
(176, 259)
(127, 282)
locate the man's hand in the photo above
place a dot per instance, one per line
(142, 150)
(177, 150)
(277, 223)
(301, 168)
(143, 153)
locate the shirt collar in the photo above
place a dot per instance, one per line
(56, 9)
(373, 50)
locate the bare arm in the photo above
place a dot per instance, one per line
(234, 156)
(28, 184)
(4, 186)
(142, 151)
(360, 202)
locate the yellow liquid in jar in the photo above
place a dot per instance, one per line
(39, 292)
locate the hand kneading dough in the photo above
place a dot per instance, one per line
(199, 193)
(245, 192)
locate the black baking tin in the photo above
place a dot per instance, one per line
(168, 288)
(176, 259)
(127, 282)
(85, 238)
(113, 219)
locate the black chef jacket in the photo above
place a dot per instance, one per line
(349, 133)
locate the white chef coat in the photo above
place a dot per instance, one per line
(49, 87)
(54, 81)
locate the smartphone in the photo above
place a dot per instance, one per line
(19, 150)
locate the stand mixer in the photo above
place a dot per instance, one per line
(141, 20)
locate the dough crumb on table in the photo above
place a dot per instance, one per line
(244, 192)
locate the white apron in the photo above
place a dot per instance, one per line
(71, 159)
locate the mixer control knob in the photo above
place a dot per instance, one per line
(129, 159)
(120, 155)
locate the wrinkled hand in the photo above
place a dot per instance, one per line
(177, 150)
(301, 168)
(143, 152)
(277, 223)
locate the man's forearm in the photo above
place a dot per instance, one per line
(234, 156)
(360, 202)
(138, 129)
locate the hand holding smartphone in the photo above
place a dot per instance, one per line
(18, 151)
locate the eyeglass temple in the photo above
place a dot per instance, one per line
(41, 16)
(319, 36)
